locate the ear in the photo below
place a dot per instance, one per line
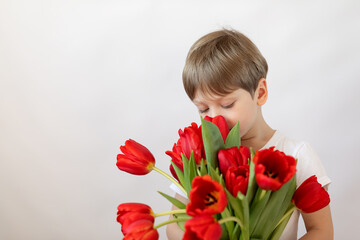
(261, 92)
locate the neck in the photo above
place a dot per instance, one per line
(258, 136)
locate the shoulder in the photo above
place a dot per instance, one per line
(285, 144)
(308, 164)
(308, 161)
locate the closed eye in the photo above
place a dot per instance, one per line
(203, 110)
(229, 106)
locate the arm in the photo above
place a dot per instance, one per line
(173, 231)
(318, 225)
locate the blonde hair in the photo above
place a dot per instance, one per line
(221, 62)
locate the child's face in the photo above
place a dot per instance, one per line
(237, 106)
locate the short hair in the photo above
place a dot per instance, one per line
(221, 62)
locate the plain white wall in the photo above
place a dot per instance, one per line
(78, 78)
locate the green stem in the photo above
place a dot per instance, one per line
(244, 231)
(170, 212)
(234, 219)
(262, 194)
(171, 221)
(170, 178)
(290, 211)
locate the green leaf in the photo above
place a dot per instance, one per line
(275, 209)
(229, 225)
(241, 210)
(192, 168)
(235, 205)
(179, 174)
(233, 139)
(224, 234)
(252, 186)
(245, 230)
(182, 223)
(215, 174)
(236, 232)
(203, 169)
(173, 200)
(222, 181)
(187, 183)
(257, 207)
(276, 234)
(213, 142)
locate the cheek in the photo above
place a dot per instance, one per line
(231, 122)
(246, 117)
(232, 119)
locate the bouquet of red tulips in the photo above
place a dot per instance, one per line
(233, 191)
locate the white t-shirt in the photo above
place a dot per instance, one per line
(308, 164)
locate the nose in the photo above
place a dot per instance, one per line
(214, 112)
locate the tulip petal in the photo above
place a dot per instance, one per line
(124, 164)
(236, 179)
(136, 159)
(220, 122)
(126, 219)
(137, 150)
(190, 141)
(273, 168)
(233, 139)
(133, 207)
(141, 229)
(202, 227)
(207, 196)
(311, 196)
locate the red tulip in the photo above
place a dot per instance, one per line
(202, 227)
(237, 179)
(131, 212)
(134, 207)
(273, 168)
(207, 196)
(220, 122)
(190, 140)
(233, 157)
(136, 159)
(175, 154)
(310, 196)
(128, 218)
(141, 229)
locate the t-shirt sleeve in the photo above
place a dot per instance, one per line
(177, 190)
(310, 164)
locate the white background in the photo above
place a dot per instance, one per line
(79, 77)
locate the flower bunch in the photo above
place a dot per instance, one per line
(234, 192)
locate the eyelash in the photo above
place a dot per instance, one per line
(226, 107)
(229, 106)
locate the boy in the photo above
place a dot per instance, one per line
(225, 74)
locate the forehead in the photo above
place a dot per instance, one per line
(203, 97)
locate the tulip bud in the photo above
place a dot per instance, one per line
(136, 159)
(311, 196)
(220, 122)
